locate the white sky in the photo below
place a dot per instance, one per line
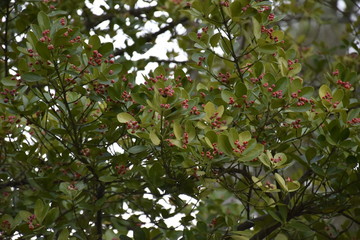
(162, 44)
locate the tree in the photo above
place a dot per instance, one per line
(255, 136)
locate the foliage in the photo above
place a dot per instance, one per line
(257, 136)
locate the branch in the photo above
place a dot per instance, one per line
(251, 223)
(265, 232)
(92, 20)
(14, 183)
(152, 36)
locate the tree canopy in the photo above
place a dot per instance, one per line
(255, 136)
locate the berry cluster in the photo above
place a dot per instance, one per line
(269, 185)
(277, 94)
(290, 62)
(354, 121)
(204, 30)
(327, 97)
(5, 224)
(245, 7)
(185, 140)
(72, 187)
(270, 89)
(157, 78)
(121, 169)
(95, 59)
(271, 17)
(30, 219)
(276, 160)
(215, 152)
(9, 94)
(231, 100)
(336, 72)
(258, 79)
(185, 103)
(247, 103)
(288, 179)
(224, 77)
(126, 96)
(77, 39)
(85, 152)
(201, 59)
(167, 91)
(296, 124)
(166, 105)
(225, 3)
(269, 32)
(70, 80)
(10, 119)
(62, 21)
(133, 126)
(100, 88)
(216, 121)
(264, 8)
(194, 110)
(240, 147)
(45, 37)
(345, 85)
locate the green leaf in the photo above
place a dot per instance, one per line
(307, 92)
(214, 40)
(267, 49)
(125, 117)
(43, 20)
(32, 77)
(64, 235)
(106, 49)
(137, 149)
(338, 95)
(24, 215)
(209, 109)
(240, 89)
(226, 95)
(8, 82)
(252, 154)
(293, 186)
(281, 181)
(154, 138)
(156, 172)
(244, 136)
(95, 42)
(51, 216)
(283, 160)
(115, 68)
(256, 28)
(224, 144)
(160, 70)
(296, 68)
(275, 215)
(43, 50)
(107, 178)
(178, 130)
(278, 34)
(323, 90)
(235, 9)
(40, 210)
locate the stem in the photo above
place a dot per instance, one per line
(98, 222)
(232, 51)
(7, 17)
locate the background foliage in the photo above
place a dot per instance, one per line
(255, 136)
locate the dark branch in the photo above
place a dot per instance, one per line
(152, 36)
